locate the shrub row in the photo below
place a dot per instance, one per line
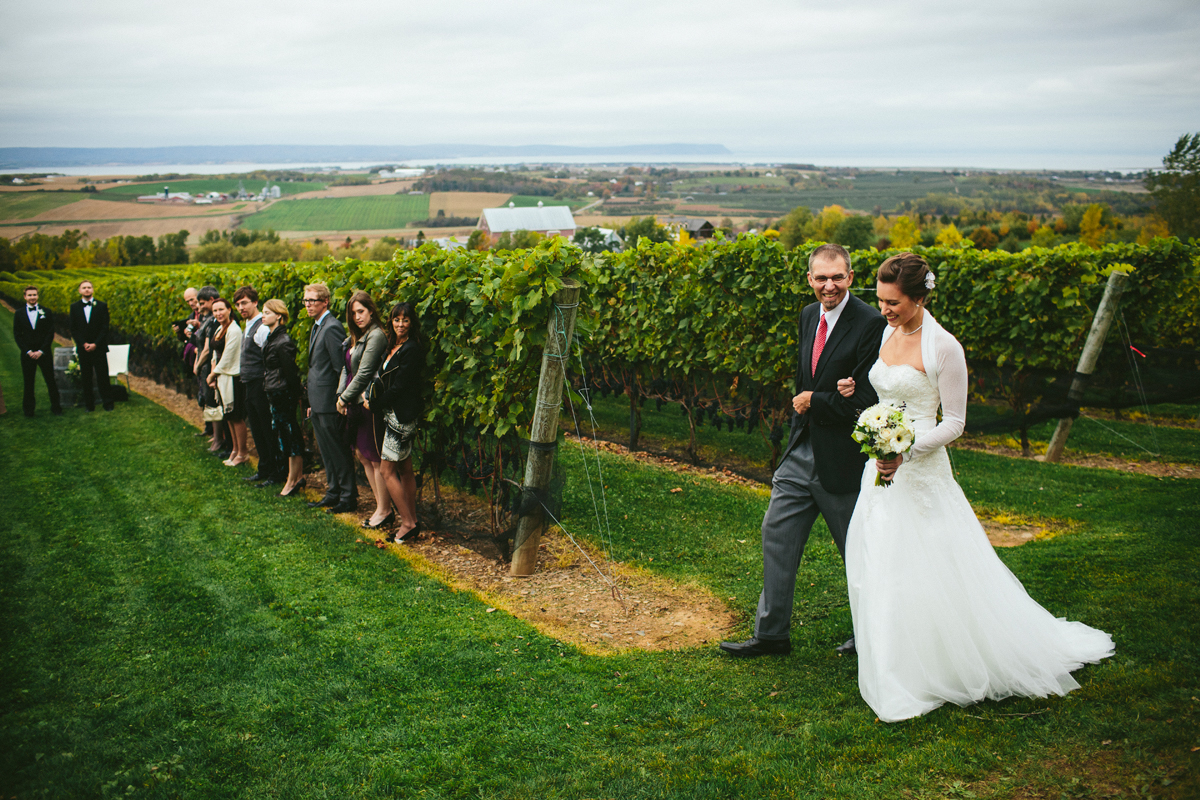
(712, 327)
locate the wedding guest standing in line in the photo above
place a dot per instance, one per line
(364, 352)
(226, 366)
(400, 402)
(272, 470)
(89, 329)
(281, 382)
(201, 334)
(325, 360)
(184, 329)
(33, 329)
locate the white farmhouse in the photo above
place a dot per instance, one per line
(546, 220)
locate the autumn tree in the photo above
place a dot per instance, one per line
(984, 238)
(949, 236)
(904, 233)
(1092, 230)
(1176, 188)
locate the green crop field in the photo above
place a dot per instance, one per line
(864, 193)
(23, 205)
(527, 201)
(379, 212)
(228, 185)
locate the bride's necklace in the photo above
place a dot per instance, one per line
(910, 333)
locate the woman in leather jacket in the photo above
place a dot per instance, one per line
(281, 382)
(399, 400)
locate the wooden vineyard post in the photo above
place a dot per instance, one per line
(543, 433)
(1087, 362)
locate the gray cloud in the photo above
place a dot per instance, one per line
(1018, 84)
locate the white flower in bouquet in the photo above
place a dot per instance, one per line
(884, 431)
(875, 418)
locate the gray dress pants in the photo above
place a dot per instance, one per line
(335, 454)
(797, 497)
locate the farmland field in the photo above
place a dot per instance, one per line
(864, 193)
(228, 185)
(528, 201)
(344, 214)
(23, 205)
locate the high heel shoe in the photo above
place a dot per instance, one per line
(388, 520)
(300, 484)
(411, 535)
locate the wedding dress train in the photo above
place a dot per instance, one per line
(937, 616)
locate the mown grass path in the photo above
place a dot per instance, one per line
(159, 619)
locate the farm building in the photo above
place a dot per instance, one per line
(698, 228)
(546, 220)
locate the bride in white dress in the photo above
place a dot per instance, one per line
(937, 616)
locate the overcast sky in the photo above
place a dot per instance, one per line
(1014, 84)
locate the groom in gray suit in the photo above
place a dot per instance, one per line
(325, 362)
(821, 469)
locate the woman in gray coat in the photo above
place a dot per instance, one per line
(364, 352)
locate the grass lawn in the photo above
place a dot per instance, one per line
(166, 628)
(196, 186)
(377, 212)
(24, 205)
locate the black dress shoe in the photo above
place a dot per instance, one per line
(388, 520)
(268, 482)
(752, 648)
(324, 502)
(342, 508)
(411, 535)
(847, 649)
(254, 477)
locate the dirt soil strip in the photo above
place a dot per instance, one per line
(613, 609)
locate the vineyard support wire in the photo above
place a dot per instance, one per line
(563, 354)
(1127, 343)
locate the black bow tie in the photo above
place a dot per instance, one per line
(87, 302)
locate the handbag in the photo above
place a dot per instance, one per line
(215, 413)
(373, 391)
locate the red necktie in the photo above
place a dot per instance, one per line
(819, 345)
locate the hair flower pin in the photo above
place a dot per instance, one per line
(930, 279)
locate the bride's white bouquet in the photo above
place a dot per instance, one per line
(884, 431)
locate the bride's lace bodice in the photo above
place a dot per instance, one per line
(901, 384)
(926, 464)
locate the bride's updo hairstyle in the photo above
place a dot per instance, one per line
(908, 271)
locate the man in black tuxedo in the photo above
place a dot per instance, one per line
(821, 470)
(89, 329)
(33, 328)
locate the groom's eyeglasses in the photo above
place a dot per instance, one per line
(836, 279)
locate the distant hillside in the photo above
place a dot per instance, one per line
(37, 157)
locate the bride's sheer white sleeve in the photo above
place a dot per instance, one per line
(952, 386)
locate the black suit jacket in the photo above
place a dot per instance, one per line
(31, 338)
(849, 352)
(90, 332)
